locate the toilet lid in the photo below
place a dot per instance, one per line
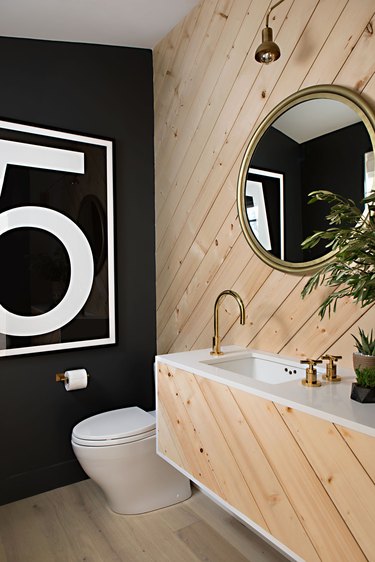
(116, 424)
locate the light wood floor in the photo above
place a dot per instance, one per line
(73, 524)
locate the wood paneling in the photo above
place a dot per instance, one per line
(210, 94)
(304, 480)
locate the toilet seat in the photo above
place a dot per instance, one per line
(116, 427)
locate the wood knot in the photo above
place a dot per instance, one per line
(359, 85)
(264, 94)
(274, 499)
(201, 450)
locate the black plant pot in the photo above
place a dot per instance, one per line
(362, 394)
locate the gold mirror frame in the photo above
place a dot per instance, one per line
(337, 93)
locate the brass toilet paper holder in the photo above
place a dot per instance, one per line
(61, 377)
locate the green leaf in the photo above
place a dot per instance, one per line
(351, 235)
(366, 377)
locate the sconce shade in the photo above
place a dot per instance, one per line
(267, 51)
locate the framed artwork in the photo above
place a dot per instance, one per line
(256, 212)
(264, 198)
(369, 173)
(56, 240)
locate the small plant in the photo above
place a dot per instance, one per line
(364, 359)
(365, 344)
(351, 234)
(366, 377)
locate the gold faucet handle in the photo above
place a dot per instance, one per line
(331, 367)
(311, 378)
(332, 358)
(311, 362)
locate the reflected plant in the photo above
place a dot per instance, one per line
(52, 266)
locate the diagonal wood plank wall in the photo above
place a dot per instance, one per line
(210, 95)
(306, 481)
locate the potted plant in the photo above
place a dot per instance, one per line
(364, 365)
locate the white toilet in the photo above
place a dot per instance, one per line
(117, 449)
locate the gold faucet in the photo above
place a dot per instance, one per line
(331, 368)
(311, 376)
(216, 339)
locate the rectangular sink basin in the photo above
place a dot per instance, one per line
(264, 368)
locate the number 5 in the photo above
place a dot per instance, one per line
(67, 232)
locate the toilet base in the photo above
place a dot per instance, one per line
(133, 477)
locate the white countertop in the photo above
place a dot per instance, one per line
(331, 401)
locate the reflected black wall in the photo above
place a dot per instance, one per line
(334, 162)
(341, 170)
(106, 92)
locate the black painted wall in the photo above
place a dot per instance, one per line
(341, 171)
(100, 91)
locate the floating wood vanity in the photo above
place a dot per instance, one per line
(297, 464)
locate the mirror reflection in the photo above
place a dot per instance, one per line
(315, 144)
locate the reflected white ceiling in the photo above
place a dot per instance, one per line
(129, 23)
(314, 118)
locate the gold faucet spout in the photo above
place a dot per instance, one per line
(216, 350)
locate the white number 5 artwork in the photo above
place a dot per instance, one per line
(65, 230)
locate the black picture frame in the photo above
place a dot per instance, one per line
(273, 200)
(56, 240)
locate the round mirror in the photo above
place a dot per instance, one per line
(322, 137)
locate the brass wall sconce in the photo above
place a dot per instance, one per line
(268, 51)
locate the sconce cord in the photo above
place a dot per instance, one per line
(270, 10)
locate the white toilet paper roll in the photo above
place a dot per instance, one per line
(76, 379)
